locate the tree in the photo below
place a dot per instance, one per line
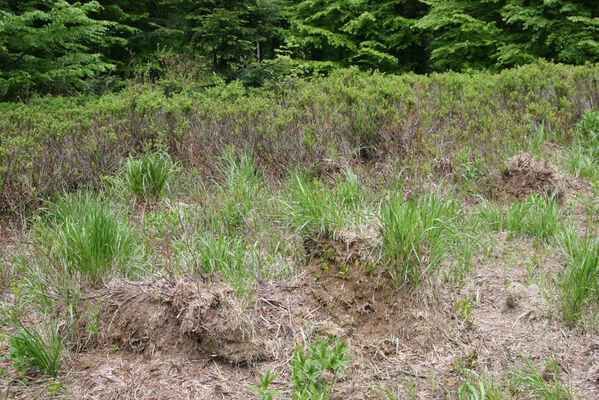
(230, 33)
(463, 33)
(558, 30)
(371, 34)
(46, 45)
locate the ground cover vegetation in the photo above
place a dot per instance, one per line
(356, 235)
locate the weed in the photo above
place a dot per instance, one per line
(538, 216)
(225, 255)
(263, 390)
(528, 379)
(482, 387)
(90, 237)
(312, 207)
(314, 369)
(240, 193)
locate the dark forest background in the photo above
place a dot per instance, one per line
(58, 46)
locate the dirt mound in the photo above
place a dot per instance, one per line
(188, 317)
(524, 175)
(355, 297)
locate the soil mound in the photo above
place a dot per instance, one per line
(355, 297)
(187, 317)
(524, 175)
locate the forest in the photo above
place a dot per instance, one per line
(59, 46)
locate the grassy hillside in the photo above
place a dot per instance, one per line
(359, 236)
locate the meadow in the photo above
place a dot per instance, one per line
(355, 236)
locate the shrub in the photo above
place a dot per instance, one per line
(51, 144)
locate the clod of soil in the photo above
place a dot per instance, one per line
(527, 300)
(525, 175)
(188, 317)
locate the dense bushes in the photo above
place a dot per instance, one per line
(55, 143)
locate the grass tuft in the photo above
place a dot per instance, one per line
(90, 236)
(414, 233)
(578, 283)
(35, 349)
(148, 177)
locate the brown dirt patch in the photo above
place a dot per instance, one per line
(525, 175)
(187, 317)
(360, 299)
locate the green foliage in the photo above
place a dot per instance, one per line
(59, 46)
(582, 159)
(502, 33)
(464, 33)
(524, 381)
(148, 177)
(347, 32)
(231, 34)
(308, 367)
(52, 47)
(263, 390)
(35, 349)
(578, 283)
(539, 216)
(314, 207)
(91, 239)
(241, 191)
(415, 232)
(546, 385)
(314, 368)
(53, 144)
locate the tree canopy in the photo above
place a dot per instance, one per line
(58, 46)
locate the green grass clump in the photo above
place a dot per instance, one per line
(228, 256)
(35, 349)
(90, 237)
(315, 207)
(582, 159)
(524, 381)
(527, 379)
(312, 207)
(242, 192)
(414, 233)
(538, 216)
(148, 177)
(579, 281)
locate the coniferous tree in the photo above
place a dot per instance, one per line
(47, 45)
